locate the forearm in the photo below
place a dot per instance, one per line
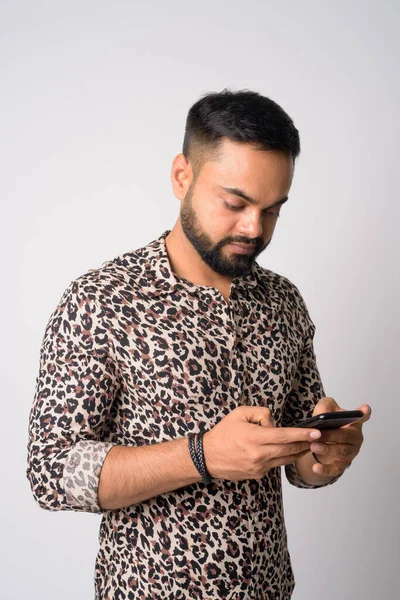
(304, 469)
(134, 474)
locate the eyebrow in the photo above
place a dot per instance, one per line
(244, 196)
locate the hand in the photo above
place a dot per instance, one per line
(237, 448)
(337, 448)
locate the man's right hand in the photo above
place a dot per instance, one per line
(236, 448)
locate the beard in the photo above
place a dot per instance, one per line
(236, 265)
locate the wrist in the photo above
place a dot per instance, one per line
(196, 450)
(209, 455)
(304, 467)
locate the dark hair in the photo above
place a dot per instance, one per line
(242, 116)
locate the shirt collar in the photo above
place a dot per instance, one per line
(161, 279)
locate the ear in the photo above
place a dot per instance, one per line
(181, 176)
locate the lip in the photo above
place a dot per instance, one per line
(242, 248)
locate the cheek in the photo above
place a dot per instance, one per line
(268, 228)
(219, 221)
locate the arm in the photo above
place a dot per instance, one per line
(75, 388)
(307, 390)
(131, 475)
(70, 466)
(336, 449)
(73, 465)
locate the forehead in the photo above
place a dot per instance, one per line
(242, 165)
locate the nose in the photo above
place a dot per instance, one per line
(250, 225)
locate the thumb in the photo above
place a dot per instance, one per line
(366, 409)
(326, 405)
(258, 415)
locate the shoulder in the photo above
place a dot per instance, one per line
(280, 287)
(96, 300)
(285, 294)
(108, 288)
(125, 273)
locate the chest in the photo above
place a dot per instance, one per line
(190, 364)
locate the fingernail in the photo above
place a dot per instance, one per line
(314, 435)
(317, 447)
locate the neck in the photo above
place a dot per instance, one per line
(187, 263)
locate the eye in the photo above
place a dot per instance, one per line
(231, 206)
(267, 211)
(271, 213)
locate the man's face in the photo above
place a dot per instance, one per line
(229, 214)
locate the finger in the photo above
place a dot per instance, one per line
(258, 415)
(266, 420)
(326, 405)
(342, 435)
(293, 449)
(332, 470)
(284, 435)
(366, 409)
(330, 453)
(285, 460)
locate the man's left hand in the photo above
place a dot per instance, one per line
(337, 448)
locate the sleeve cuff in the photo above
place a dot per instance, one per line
(82, 474)
(294, 479)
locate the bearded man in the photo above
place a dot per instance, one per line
(172, 379)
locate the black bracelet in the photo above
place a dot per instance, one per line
(192, 451)
(200, 455)
(197, 455)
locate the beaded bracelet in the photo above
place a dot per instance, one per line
(197, 455)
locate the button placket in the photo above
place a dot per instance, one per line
(237, 369)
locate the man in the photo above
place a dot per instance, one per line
(187, 335)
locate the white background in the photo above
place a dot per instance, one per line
(94, 97)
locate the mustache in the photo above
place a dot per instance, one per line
(257, 242)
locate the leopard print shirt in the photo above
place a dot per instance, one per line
(134, 355)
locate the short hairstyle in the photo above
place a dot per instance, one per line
(242, 116)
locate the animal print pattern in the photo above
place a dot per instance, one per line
(135, 355)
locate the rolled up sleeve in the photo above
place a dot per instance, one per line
(69, 418)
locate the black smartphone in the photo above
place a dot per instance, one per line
(332, 420)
